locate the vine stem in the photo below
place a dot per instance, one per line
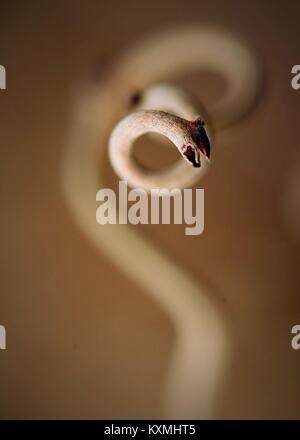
(201, 349)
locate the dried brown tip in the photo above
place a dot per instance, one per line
(200, 137)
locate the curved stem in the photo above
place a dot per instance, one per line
(202, 345)
(185, 135)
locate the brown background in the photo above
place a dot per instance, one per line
(83, 341)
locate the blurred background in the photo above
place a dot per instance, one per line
(82, 340)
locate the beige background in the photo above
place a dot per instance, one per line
(83, 341)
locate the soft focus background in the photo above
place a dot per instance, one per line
(83, 341)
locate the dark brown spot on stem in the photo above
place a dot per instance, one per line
(135, 99)
(191, 156)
